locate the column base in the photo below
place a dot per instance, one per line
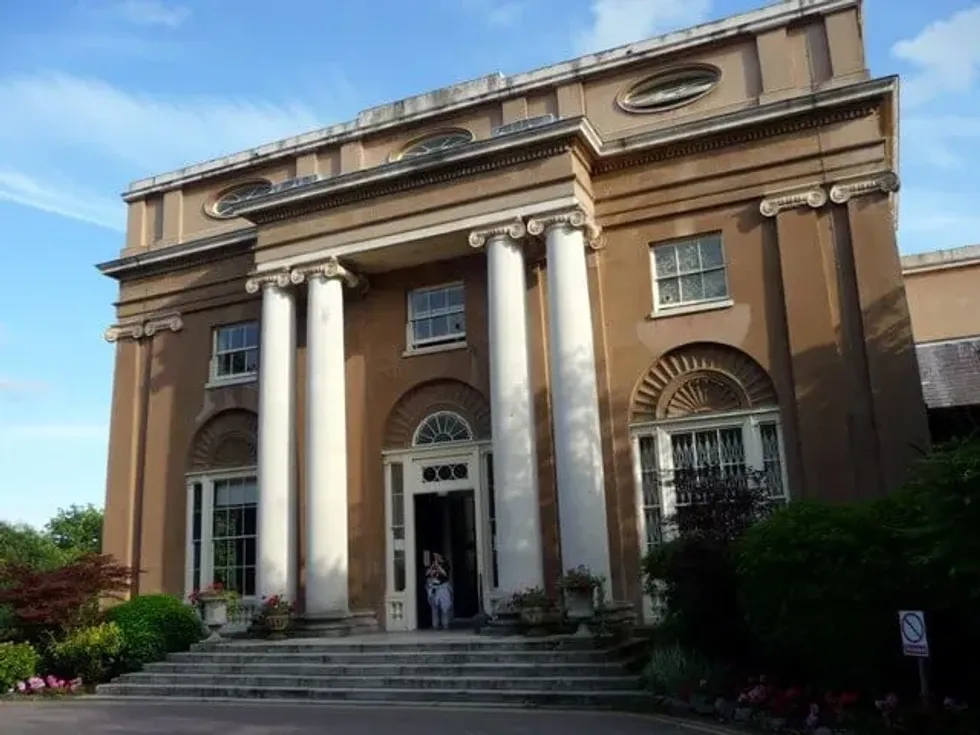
(338, 624)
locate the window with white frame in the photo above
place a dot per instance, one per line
(222, 531)
(235, 352)
(674, 456)
(436, 317)
(689, 272)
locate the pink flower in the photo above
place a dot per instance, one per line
(21, 686)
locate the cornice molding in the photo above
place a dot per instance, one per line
(575, 218)
(138, 329)
(258, 281)
(814, 197)
(886, 182)
(514, 230)
(328, 269)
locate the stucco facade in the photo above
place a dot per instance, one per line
(553, 289)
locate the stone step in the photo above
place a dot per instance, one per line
(491, 669)
(319, 683)
(563, 644)
(611, 699)
(419, 657)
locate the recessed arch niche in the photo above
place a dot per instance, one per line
(427, 399)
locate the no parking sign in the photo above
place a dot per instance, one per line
(912, 624)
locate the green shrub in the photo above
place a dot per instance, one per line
(176, 624)
(676, 671)
(18, 661)
(88, 652)
(140, 647)
(820, 586)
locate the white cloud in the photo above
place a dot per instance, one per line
(617, 22)
(494, 13)
(54, 431)
(22, 189)
(72, 125)
(941, 141)
(153, 13)
(13, 388)
(946, 55)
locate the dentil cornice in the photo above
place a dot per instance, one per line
(575, 218)
(138, 329)
(886, 182)
(514, 229)
(814, 198)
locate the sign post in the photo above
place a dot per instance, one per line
(915, 643)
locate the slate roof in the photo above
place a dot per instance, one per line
(950, 372)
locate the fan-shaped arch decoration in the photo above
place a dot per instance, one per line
(441, 427)
(701, 378)
(229, 439)
(429, 399)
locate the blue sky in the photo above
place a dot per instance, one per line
(95, 94)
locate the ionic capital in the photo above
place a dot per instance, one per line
(514, 229)
(886, 182)
(258, 281)
(814, 198)
(328, 269)
(137, 329)
(575, 218)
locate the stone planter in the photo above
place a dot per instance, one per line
(277, 625)
(533, 616)
(214, 611)
(580, 607)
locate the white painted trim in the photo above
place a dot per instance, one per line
(469, 223)
(473, 454)
(215, 380)
(495, 87)
(688, 309)
(433, 345)
(437, 450)
(457, 415)
(709, 421)
(242, 379)
(207, 479)
(435, 349)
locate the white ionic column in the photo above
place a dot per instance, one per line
(326, 440)
(575, 401)
(276, 572)
(515, 462)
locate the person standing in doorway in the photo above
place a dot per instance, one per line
(439, 592)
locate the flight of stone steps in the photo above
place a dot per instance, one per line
(431, 669)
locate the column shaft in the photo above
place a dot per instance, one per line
(575, 404)
(276, 539)
(515, 464)
(326, 451)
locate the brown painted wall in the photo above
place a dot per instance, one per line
(945, 302)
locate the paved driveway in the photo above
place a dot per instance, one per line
(181, 718)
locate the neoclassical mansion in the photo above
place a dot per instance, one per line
(491, 321)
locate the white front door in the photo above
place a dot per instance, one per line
(437, 471)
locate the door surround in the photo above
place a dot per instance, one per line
(400, 584)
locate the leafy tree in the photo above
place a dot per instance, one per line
(23, 545)
(77, 530)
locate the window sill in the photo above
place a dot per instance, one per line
(228, 382)
(413, 351)
(691, 309)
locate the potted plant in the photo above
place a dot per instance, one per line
(275, 615)
(216, 604)
(533, 605)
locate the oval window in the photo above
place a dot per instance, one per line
(223, 207)
(670, 89)
(437, 143)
